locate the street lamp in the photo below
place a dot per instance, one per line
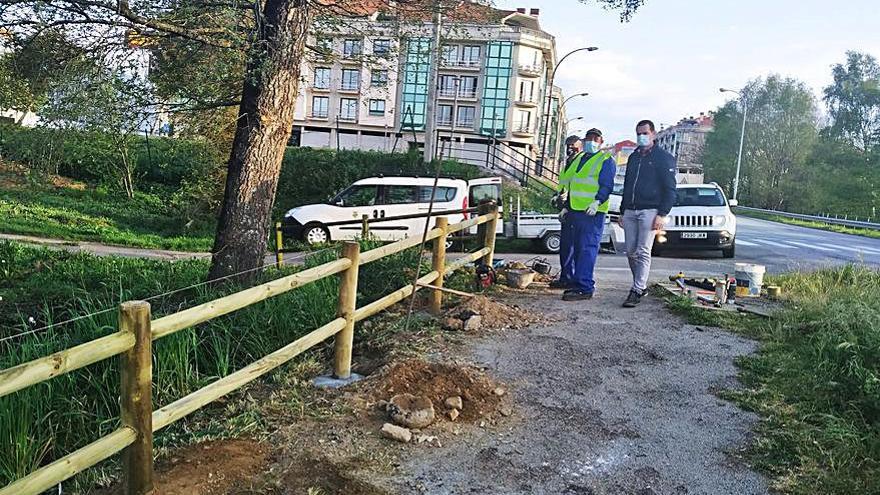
(573, 96)
(742, 137)
(547, 94)
(569, 121)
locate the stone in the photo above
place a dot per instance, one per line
(499, 391)
(453, 414)
(452, 324)
(395, 432)
(473, 323)
(411, 411)
(506, 411)
(454, 403)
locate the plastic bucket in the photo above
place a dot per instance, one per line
(749, 279)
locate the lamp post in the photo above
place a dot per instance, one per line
(569, 121)
(572, 96)
(549, 84)
(742, 137)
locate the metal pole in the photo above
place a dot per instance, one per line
(742, 138)
(430, 117)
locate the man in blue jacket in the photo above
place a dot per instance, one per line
(648, 196)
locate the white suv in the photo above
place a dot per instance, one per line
(700, 220)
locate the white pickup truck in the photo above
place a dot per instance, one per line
(545, 229)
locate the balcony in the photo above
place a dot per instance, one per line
(527, 101)
(347, 118)
(531, 70)
(444, 122)
(463, 64)
(523, 130)
(351, 88)
(318, 115)
(465, 123)
(463, 93)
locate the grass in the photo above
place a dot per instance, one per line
(40, 286)
(874, 234)
(146, 221)
(815, 381)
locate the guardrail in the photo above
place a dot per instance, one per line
(845, 222)
(137, 331)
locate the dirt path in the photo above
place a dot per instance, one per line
(606, 401)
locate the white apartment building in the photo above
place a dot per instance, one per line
(366, 86)
(685, 141)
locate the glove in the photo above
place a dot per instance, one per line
(562, 214)
(593, 208)
(563, 196)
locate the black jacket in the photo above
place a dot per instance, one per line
(649, 182)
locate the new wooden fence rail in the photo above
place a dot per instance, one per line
(137, 331)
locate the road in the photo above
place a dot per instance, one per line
(779, 247)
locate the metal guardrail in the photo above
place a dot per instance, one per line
(845, 222)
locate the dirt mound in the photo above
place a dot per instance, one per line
(211, 467)
(438, 382)
(15, 176)
(495, 315)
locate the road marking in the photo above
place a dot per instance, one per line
(811, 246)
(745, 243)
(774, 244)
(856, 249)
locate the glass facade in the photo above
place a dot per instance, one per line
(416, 72)
(499, 60)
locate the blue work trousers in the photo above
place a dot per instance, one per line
(579, 249)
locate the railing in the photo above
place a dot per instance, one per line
(462, 63)
(460, 93)
(137, 331)
(835, 220)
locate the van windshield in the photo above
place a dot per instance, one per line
(699, 196)
(356, 196)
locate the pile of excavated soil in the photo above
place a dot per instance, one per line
(495, 315)
(438, 382)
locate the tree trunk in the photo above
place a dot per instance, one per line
(265, 121)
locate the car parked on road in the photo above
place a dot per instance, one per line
(700, 219)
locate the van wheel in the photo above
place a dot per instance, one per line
(729, 252)
(551, 242)
(316, 234)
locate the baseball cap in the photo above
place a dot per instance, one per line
(570, 140)
(593, 131)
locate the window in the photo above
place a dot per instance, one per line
(324, 46)
(377, 108)
(381, 47)
(348, 109)
(450, 54)
(351, 48)
(357, 196)
(483, 193)
(442, 194)
(444, 114)
(467, 87)
(351, 79)
(322, 78)
(447, 85)
(470, 55)
(524, 120)
(465, 116)
(414, 96)
(379, 78)
(699, 196)
(320, 105)
(526, 90)
(496, 86)
(400, 195)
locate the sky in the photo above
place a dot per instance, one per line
(670, 60)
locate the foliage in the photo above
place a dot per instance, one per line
(854, 101)
(816, 382)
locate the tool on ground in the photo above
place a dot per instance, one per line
(731, 291)
(678, 276)
(541, 265)
(485, 277)
(720, 291)
(705, 284)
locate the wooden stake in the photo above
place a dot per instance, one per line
(137, 400)
(438, 264)
(365, 226)
(489, 233)
(348, 281)
(279, 246)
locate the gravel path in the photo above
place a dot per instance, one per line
(609, 401)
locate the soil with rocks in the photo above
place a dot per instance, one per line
(494, 315)
(438, 382)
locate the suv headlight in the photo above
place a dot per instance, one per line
(719, 220)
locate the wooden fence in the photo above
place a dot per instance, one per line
(137, 331)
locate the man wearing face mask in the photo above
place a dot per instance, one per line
(648, 196)
(586, 183)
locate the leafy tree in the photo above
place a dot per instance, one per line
(853, 101)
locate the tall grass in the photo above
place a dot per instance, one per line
(54, 418)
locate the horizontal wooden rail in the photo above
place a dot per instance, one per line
(467, 259)
(396, 247)
(393, 298)
(458, 227)
(233, 302)
(50, 475)
(26, 374)
(182, 407)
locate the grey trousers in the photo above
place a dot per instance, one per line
(639, 239)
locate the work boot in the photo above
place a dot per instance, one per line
(559, 284)
(632, 300)
(576, 295)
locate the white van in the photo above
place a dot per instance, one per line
(381, 197)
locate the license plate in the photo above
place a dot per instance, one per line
(693, 235)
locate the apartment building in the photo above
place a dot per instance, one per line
(685, 141)
(366, 85)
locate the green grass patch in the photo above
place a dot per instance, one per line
(146, 221)
(815, 381)
(874, 234)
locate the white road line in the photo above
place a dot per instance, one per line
(774, 244)
(811, 246)
(856, 249)
(745, 243)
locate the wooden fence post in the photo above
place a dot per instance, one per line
(279, 246)
(438, 264)
(136, 398)
(488, 238)
(365, 226)
(348, 281)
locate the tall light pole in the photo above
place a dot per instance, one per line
(569, 121)
(547, 94)
(742, 137)
(572, 96)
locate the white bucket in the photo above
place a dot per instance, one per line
(749, 279)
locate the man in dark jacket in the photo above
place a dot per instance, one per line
(648, 196)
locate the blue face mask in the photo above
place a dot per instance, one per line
(643, 140)
(591, 147)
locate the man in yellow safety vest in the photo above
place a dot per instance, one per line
(584, 188)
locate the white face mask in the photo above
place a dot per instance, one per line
(591, 146)
(643, 140)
